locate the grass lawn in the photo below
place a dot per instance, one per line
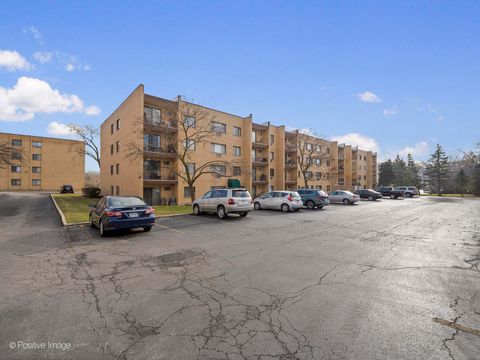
(75, 207)
(449, 195)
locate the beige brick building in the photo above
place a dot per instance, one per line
(42, 164)
(139, 144)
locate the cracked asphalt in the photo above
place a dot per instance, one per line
(393, 279)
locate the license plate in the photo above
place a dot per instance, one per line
(133, 215)
(243, 202)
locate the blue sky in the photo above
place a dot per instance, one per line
(393, 76)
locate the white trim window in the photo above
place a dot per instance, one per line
(219, 128)
(219, 148)
(219, 169)
(237, 151)
(189, 144)
(189, 121)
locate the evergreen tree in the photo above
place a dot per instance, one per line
(412, 172)
(475, 179)
(400, 171)
(436, 170)
(386, 176)
(461, 180)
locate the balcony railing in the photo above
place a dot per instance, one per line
(159, 151)
(258, 143)
(164, 126)
(260, 179)
(159, 177)
(259, 161)
(290, 181)
(290, 148)
(290, 164)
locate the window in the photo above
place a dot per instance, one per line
(272, 173)
(219, 193)
(191, 168)
(219, 128)
(364, 177)
(111, 172)
(37, 144)
(189, 121)
(117, 168)
(16, 142)
(328, 150)
(16, 155)
(237, 171)
(318, 162)
(328, 162)
(272, 156)
(36, 182)
(219, 169)
(16, 182)
(118, 146)
(111, 132)
(111, 190)
(272, 139)
(219, 148)
(254, 136)
(328, 187)
(118, 124)
(189, 144)
(16, 169)
(152, 116)
(309, 146)
(318, 148)
(118, 190)
(111, 149)
(151, 170)
(151, 142)
(187, 191)
(318, 175)
(37, 157)
(237, 131)
(36, 169)
(237, 151)
(365, 158)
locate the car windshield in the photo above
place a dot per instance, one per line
(118, 202)
(240, 193)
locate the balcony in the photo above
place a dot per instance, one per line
(159, 178)
(259, 161)
(259, 144)
(290, 164)
(290, 181)
(152, 152)
(261, 179)
(289, 149)
(160, 127)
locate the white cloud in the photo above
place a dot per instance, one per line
(12, 60)
(35, 33)
(369, 96)
(355, 139)
(92, 110)
(420, 149)
(30, 96)
(69, 67)
(391, 111)
(43, 56)
(56, 128)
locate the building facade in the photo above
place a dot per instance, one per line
(42, 164)
(142, 139)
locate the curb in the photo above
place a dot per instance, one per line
(62, 216)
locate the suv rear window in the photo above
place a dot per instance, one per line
(240, 193)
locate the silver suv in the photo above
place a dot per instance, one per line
(409, 191)
(224, 202)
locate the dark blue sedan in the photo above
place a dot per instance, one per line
(121, 212)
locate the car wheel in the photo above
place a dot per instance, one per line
(92, 225)
(285, 208)
(310, 205)
(320, 207)
(392, 196)
(243, 214)
(346, 201)
(370, 198)
(408, 195)
(103, 232)
(147, 228)
(222, 214)
(196, 210)
(257, 205)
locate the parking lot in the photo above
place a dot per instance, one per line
(391, 279)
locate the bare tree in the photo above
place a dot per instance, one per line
(312, 150)
(89, 135)
(6, 151)
(194, 127)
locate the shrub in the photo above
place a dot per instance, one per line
(91, 191)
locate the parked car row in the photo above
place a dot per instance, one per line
(125, 212)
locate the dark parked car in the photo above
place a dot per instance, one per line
(121, 212)
(66, 189)
(368, 194)
(390, 192)
(313, 198)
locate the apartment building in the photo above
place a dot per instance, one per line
(42, 163)
(141, 141)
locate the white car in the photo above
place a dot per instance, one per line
(409, 191)
(279, 200)
(343, 196)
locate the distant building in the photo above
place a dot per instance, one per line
(42, 164)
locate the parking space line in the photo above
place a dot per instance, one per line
(169, 228)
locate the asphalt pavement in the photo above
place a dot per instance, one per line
(391, 279)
